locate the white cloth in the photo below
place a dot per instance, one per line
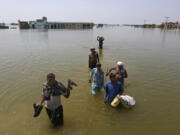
(53, 103)
(127, 100)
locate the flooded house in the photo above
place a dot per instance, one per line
(3, 26)
(44, 24)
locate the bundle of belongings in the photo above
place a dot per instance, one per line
(125, 100)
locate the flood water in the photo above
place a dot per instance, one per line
(151, 57)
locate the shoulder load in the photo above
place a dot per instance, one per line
(100, 38)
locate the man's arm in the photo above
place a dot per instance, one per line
(43, 97)
(41, 101)
(67, 92)
(114, 68)
(125, 74)
(89, 60)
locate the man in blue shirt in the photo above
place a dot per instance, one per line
(97, 78)
(112, 89)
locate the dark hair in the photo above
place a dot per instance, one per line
(98, 65)
(50, 75)
(112, 75)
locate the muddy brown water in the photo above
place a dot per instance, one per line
(151, 57)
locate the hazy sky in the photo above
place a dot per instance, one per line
(97, 11)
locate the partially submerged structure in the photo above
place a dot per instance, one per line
(3, 26)
(44, 24)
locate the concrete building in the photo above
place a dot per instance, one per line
(23, 24)
(44, 24)
(69, 25)
(3, 26)
(39, 23)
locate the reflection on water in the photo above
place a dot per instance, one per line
(101, 53)
(151, 57)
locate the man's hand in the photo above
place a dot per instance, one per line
(89, 81)
(107, 74)
(38, 104)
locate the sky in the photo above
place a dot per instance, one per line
(97, 11)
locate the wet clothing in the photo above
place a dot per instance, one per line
(98, 80)
(93, 59)
(52, 95)
(112, 89)
(123, 74)
(92, 64)
(100, 43)
(56, 116)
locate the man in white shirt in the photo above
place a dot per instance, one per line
(51, 96)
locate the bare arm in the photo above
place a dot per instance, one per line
(41, 101)
(125, 74)
(69, 87)
(67, 92)
(89, 60)
(110, 70)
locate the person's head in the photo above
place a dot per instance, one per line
(98, 65)
(92, 50)
(120, 64)
(50, 79)
(112, 77)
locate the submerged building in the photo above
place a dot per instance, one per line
(3, 26)
(44, 24)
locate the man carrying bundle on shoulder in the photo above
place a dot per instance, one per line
(51, 97)
(100, 39)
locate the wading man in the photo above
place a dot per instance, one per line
(100, 39)
(112, 89)
(93, 58)
(97, 78)
(51, 97)
(120, 71)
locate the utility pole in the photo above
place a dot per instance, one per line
(166, 21)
